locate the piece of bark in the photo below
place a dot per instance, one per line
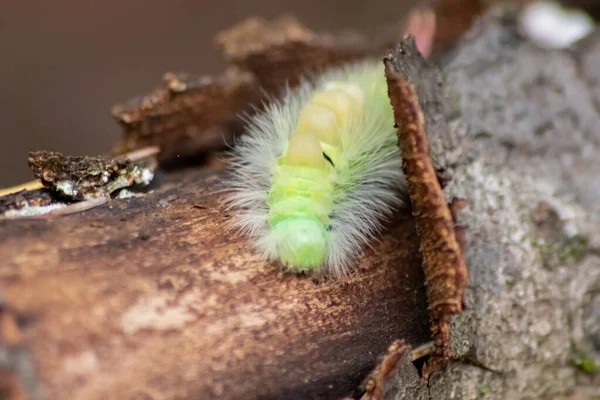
(443, 263)
(78, 183)
(190, 115)
(281, 51)
(150, 297)
(187, 115)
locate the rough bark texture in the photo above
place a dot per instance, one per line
(521, 143)
(532, 118)
(149, 298)
(186, 115)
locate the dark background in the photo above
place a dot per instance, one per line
(63, 63)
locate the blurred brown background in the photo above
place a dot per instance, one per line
(65, 62)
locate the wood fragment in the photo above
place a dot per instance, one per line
(443, 263)
(86, 177)
(186, 115)
(137, 155)
(190, 115)
(380, 377)
(68, 180)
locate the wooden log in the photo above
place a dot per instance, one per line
(150, 298)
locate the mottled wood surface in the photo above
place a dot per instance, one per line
(151, 298)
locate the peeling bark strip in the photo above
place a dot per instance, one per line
(443, 263)
(87, 177)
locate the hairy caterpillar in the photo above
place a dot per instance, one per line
(318, 171)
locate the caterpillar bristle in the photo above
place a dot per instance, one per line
(318, 172)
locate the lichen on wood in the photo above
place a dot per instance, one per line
(86, 177)
(77, 183)
(18, 203)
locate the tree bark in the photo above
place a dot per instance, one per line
(151, 297)
(522, 146)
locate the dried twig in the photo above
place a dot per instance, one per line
(31, 185)
(443, 263)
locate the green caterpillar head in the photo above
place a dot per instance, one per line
(301, 243)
